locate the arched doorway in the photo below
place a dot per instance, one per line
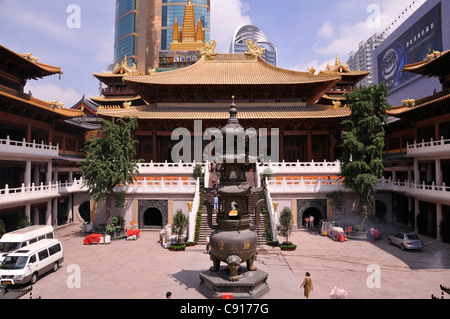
(153, 218)
(85, 211)
(153, 214)
(314, 212)
(380, 210)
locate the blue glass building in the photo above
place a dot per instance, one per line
(125, 37)
(144, 28)
(243, 33)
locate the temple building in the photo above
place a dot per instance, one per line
(115, 92)
(41, 144)
(266, 96)
(348, 83)
(417, 153)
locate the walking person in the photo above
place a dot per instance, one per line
(307, 285)
(311, 222)
(207, 244)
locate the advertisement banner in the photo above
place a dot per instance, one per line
(412, 46)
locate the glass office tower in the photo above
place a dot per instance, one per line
(125, 38)
(243, 33)
(144, 28)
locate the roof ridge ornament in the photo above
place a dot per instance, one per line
(208, 50)
(254, 50)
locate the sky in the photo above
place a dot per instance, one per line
(78, 35)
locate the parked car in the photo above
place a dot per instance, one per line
(406, 241)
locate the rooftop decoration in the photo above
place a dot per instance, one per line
(208, 50)
(254, 50)
(409, 103)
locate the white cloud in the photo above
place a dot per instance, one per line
(346, 37)
(50, 92)
(326, 31)
(316, 64)
(226, 17)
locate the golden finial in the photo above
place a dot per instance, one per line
(311, 71)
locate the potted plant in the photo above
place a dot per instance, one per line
(179, 225)
(285, 229)
(116, 227)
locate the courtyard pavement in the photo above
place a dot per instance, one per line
(142, 269)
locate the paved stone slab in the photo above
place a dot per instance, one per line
(142, 269)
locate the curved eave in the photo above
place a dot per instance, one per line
(427, 67)
(236, 70)
(36, 69)
(221, 112)
(42, 105)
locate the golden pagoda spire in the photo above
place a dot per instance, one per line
(188, 33)
(200, 34)
(176, 31)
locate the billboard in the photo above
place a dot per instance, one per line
(412, 46)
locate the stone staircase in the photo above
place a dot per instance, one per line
(253, 199)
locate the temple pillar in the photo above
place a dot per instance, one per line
(416, 213)
(439, 218)
(27, 175)
(309, 146)
(416, 172)
(154, 147)
(438, 172)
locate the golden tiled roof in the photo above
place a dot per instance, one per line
(55, 108)
(400, 110)
(231, 69)
(430, 59)
(220, 111)
(38, 69)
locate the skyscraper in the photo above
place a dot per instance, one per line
(144, 28)
(243, 33)
(363, 58)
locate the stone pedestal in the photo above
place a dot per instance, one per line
(251, 284)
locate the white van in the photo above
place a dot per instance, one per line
(23, 237)
(28, 263)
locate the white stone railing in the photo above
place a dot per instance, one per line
(428, 148)
(193, 213)
(28, 193)
(286, 168)
(273, 216)
(319, 185)
(168, 168)
(431, 192)
(11, 147)
(152, 185)
(146, 185)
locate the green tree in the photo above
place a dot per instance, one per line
(179, 224)
(286, 223)
(363, 142)
(110, 162)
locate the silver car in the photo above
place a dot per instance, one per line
(406, 241)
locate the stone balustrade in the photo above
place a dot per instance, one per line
(24, 148)
(429, 148)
